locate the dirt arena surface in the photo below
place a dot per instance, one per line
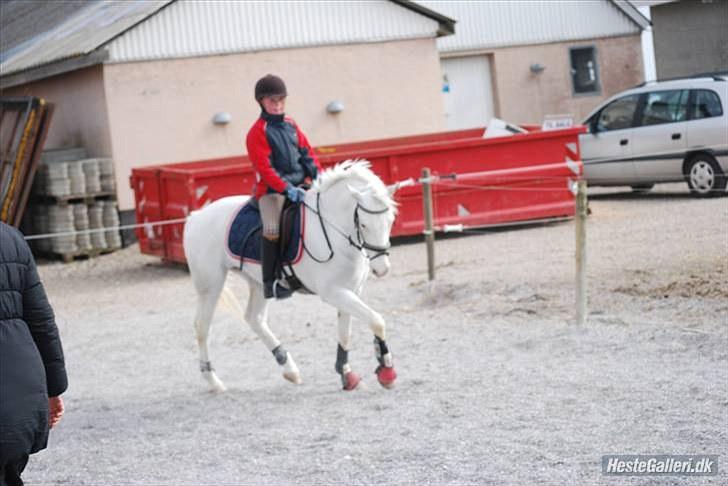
(496, 384)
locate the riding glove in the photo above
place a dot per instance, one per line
(295, 194)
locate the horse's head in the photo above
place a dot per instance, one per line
(373, 218)
(373, 206)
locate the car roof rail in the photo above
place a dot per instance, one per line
(715, 75)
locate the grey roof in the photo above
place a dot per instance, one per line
(38, 32)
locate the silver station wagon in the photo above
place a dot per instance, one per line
(664, 131)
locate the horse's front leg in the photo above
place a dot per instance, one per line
(349, 379)
(349, 302)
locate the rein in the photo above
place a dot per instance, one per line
(360, 243)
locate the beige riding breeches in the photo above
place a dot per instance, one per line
(271, 206)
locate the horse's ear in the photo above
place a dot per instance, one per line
(392, 188)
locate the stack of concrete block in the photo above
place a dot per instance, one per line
(53, 178)
(75, 194)
(106, 172)
(93, 178)
(111, 220)
(77, 177)
(96, 221)
(81, 223)
(60, 220)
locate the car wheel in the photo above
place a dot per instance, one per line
(705, 177)
(642, 187)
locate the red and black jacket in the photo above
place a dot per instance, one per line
(280, 154)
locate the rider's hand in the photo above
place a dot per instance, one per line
(55, 409)
(294, 193)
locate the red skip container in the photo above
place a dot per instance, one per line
(498, 180)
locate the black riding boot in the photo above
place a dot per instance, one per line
(269, 262)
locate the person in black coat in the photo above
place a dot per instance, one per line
(32, 369)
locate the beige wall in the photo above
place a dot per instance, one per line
(524, 97)
(162, 111)
(80, 118)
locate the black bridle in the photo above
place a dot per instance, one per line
(360, 244)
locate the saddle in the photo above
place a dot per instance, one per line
(244, 234)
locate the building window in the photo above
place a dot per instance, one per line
(584, 72)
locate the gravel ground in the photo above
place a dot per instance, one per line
(497, 385)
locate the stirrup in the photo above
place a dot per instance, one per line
(277, 291)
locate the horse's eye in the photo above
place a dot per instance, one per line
(363, 226)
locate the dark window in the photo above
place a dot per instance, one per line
(584, 73)
(618, 114)
(665, 107)
(706, 104)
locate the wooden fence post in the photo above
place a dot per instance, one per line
(429, 227)
(581, 214)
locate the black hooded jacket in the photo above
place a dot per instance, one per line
(31, 357)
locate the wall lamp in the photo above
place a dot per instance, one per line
(335, 107)
(537, 68)
(221, 118)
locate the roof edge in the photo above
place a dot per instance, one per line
(95, 56)
(633, 13)
(447, 25)
(53, 69)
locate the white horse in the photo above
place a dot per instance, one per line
(349, 214)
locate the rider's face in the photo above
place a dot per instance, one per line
(275, 105)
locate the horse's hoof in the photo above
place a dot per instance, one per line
(386, 376)
(294, 378)
(351, 380)
(214, 383)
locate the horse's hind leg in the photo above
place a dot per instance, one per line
(208, 293)
(256, 315)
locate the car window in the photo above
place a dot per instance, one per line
(706, 104)
(665, 107)
(618, 114)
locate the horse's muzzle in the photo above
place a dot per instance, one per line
(380, 267)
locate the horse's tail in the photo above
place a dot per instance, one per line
(231, 303)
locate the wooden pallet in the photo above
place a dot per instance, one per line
(78, 255)
(88, 198)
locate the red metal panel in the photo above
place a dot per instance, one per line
(145, 183)
(499, 180)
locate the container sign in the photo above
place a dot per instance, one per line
(557, 122)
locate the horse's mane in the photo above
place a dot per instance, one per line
(356, 170)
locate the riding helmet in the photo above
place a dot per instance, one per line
(270, 85)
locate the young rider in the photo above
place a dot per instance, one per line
(283, 161)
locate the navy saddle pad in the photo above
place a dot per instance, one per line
(244, 234)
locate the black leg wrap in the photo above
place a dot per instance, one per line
(381, 349)
(206, 366)
(342, 357)
(280, 354)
